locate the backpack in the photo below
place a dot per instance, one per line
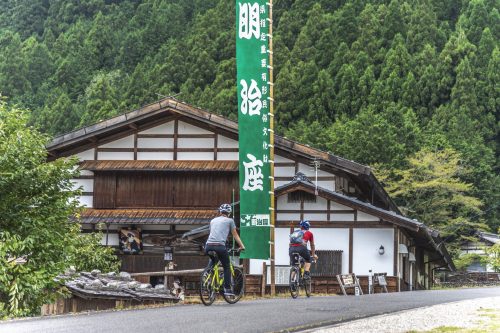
(296, 237)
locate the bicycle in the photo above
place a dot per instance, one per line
(212, 282)
(297, 278)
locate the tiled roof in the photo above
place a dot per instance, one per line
(147, 216)
(131, 165)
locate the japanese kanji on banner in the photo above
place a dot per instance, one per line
(252, 61)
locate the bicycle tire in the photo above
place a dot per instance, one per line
(294, 279)
(308, 286)
(238, 282)
(207, 290)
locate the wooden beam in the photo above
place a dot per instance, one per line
(351, 242)
(176, 133)
(215, 146)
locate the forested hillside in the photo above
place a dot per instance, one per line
(380, 82)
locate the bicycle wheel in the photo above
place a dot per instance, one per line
(307, 285)
(238, 282)
(207, 290)
(294, 282)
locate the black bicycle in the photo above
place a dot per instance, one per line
(212, 282)
(297, 278)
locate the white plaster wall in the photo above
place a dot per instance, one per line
(256, 265)
(224, 142)
(227, 156)
(163, 156)
(167, 128)
(308, 170)
(281, 159)
(85, 155)
(336, 206)
(195, 143)
(127, 142)
(113, 239)
(324, 239)
(283, 204)
(155, 143)
(333, 239)
(86, 173)
(284, 172)
(86, 200)
(316, 216)
(185, 128)
(328, 184)
(107, 155)
(196, 156)
(341, 217)
(278, 183)
(320, 204)
(366, 243)
(288, 216)
(86, 184)
(366, 217)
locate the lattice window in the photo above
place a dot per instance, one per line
(299, 196)
(329, 263)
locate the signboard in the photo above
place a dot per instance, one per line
(130, 241)
(252, 63)
(349, 281)
(281, 275)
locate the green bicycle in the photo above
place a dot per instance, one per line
(212, 282)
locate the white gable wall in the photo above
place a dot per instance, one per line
(366, 244)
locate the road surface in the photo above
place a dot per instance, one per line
(265, 315)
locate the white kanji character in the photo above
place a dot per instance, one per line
(264, 118)
(249, 26)
(265, 158)
(263, 37)
(263, 23)
(253, 174)
(264, 104)
(262, 9)
(264, 90)
(263, 63)
(263, 49)
(264, 131)
(250, 98)
(264, 77)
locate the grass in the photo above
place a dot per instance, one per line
(489, 323)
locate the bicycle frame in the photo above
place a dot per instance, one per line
(217, 280)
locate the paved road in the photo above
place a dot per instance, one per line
(276, 315)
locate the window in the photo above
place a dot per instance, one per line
(329, 263)
(298, 196)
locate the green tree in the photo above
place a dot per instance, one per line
(429, 189)
(35, 227)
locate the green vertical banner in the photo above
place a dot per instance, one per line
(252, 61)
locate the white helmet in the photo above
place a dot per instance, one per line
(225, 208)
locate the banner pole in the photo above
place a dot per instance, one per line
(271, 150)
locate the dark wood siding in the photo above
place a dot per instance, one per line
(105, 190)
(164, 189)
(329, 263)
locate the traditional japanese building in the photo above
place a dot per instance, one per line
(156, 173)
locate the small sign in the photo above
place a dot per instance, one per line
(381, 281)
(349, 281)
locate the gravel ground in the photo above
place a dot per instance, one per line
(462, 314)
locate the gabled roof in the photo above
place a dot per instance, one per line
(427, 237)
(169, 108)
(301, 185)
